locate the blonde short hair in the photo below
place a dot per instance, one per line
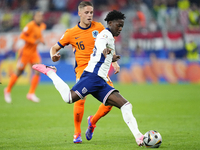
(84, 4)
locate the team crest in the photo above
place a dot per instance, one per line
(84, 90)
(95, 33)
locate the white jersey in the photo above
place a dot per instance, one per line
(98, 64)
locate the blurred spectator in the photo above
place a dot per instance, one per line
(172, 19)
(192, 50)
(51, 18)
(59, 5)
(43, 5)
(149, 3)
(167, 17)
(194, 16)
(152, 25)
(7, 20)
(172, 3)
(157, 6)
(26, 16)
(63, 23)
(139, 21)
(183, 6)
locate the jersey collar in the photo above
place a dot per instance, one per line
(82, 27)
(108, 29)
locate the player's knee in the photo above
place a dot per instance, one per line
(67, 98)
(128, 106)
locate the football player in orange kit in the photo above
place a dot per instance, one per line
(32, 35)
(82, 38)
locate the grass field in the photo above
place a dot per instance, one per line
(173, 110)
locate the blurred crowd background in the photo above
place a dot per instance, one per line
(154, 29)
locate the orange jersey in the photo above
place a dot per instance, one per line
(30, 34)
(82, 41)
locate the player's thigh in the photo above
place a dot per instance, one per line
(116, 99)
(35, 59)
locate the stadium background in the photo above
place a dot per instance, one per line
(153, 44)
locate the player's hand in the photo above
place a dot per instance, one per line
(106, 51)
(116, 67)
(56, 57)
(115, 58)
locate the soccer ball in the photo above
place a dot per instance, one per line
(152, 139)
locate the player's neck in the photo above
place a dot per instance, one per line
(83, 25)
(37, 23)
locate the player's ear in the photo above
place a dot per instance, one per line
(79, 13)
(109, 23)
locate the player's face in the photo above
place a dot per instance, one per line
(38, 17)
(86, 15)
(116, 26)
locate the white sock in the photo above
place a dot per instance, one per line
(130, 120)
(61, 86)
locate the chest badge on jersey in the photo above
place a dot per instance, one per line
(95, 33)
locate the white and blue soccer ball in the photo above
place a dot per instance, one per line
(152, 139)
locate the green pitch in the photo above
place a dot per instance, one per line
(172, 110)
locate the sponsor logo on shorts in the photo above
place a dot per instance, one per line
(84, 90)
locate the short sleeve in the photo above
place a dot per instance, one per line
(65, 39)
(101, 26)
(28, 29)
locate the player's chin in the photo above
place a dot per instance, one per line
(89, 20)
(117, 34)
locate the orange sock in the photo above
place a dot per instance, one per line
(78, 115)
(34, 82)
(102, 111)
(12, 81)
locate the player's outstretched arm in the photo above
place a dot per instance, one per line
(116, 58)
(55, 55)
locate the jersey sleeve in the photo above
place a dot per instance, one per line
(101, 43)
(26, 34)
(65, 39)
(101, 26)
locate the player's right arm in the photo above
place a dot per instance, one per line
(55, 55)
(64, 40)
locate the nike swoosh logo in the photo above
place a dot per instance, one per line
(77, 37)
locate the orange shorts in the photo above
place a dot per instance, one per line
(80, 71)
(25, 59)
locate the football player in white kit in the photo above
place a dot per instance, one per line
(94, 77)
